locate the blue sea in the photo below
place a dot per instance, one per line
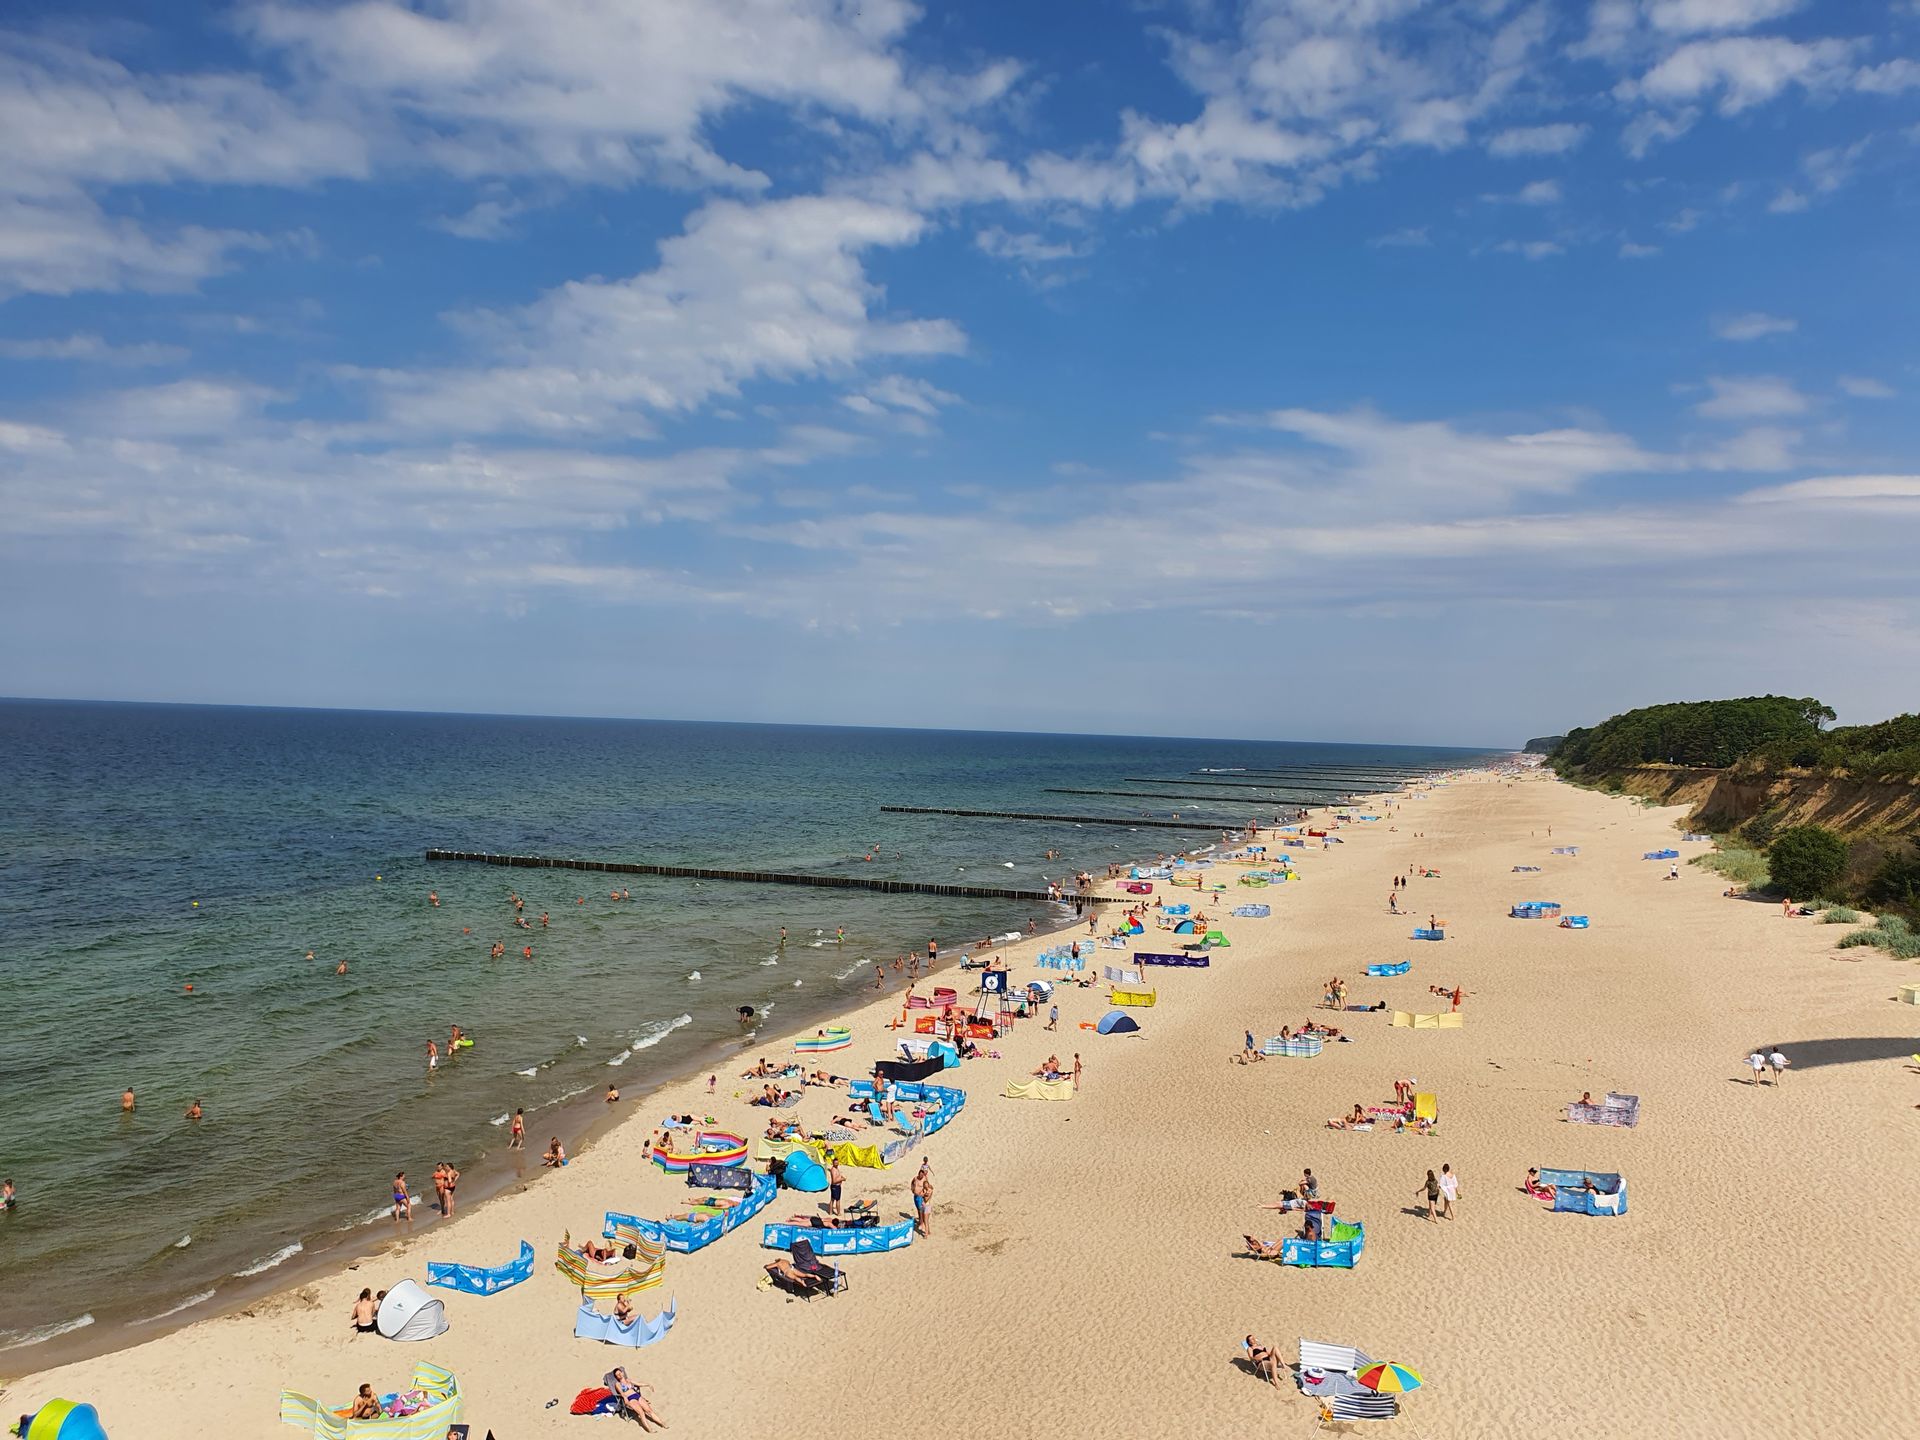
(148, 849)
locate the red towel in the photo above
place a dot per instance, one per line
(590, 1399)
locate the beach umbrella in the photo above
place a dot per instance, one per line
(1387, 1377)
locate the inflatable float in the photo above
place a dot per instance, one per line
(711, 1147)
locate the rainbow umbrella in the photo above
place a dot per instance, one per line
(1386, 1377)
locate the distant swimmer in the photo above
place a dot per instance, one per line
(7, 1198)
(840, 935)
(341, 968)
(466, 929)
(433, 1057)
(745, 1012)
(543, 919)
(783, 934)
(526, 952)
(454, 1037)
(193, 1111)
(309, 954)
(433, 898)
(126, 1099)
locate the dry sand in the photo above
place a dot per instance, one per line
(1082, 1281)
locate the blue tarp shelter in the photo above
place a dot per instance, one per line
(1117, 1022)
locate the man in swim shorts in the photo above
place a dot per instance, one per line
(835, 1179)
(923, 1200)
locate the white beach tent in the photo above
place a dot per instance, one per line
(409, 1313)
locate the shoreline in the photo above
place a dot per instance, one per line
(1061, 1232)
(491, 1176)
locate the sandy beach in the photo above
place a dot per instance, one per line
(1083, 1275)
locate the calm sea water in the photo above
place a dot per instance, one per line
(145, 849)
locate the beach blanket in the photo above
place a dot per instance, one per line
(1452, 1020)
(1039, 1089)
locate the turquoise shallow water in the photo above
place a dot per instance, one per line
(120, 818)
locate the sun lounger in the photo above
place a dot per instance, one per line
(831, 1277)
(1363, 1404)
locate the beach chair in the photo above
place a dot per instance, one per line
(831, 1278)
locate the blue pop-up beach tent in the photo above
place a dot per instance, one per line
(1117, 1022)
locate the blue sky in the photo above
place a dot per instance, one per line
(1347, 369)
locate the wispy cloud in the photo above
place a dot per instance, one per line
(1750, 397)
(1753, 325)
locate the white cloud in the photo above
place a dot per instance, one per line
(1651, 128)
(1839, 489)
(60, 246)
(93, 350)
(1753, 325)
(1531, 249)
(614, 92)
(1741, 71)
(1413, 236)
(1750, 397)
(1695, 17)
(1537, 140)
(484, 220)
(1629, 250)
(1787, 201)
(775, 290)
(1865, 387)
(1892, 78)
(1028, 248)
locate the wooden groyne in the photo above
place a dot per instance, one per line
(1118, 821)
(773, 877)
(1344, 787)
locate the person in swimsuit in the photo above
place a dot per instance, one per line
(126, 1099)
(193, 1111)
(517, 1137)
(835, 1179)
(402, 1201)
(366, 1405)
(451, 1179)
(363, 1309)
(1265, 1361)
(923, 1200)
(556, 1156)
(7, 1200)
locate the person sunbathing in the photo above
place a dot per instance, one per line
(1262, 1249)
(850, 1122)
(1050, 1067)
(632, 1401)
(785, 1272)
(1288, 1200)
(1265, 1361)
(1352, 1122)
(821, 1077)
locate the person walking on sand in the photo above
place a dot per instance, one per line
(1076, 1069)
(1053, 1017)
(1757, 1062)
(923, 1200)
(1431, 1192)
(517, 1136)
(1449, 1191)
(835, 1179)
(1777, 1063)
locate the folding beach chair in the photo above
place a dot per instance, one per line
(832, 1278)
(1362, 1405)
